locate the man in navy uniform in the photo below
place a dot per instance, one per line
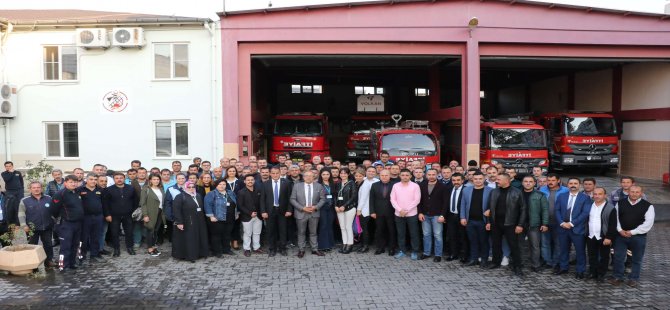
(67, 205)
(13, 190)
(91, 198)
(34, 211)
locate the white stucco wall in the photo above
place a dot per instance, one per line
(113, 139)
(646, 131)
(646, 86)
(593, 90)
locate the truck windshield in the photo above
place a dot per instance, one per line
(590, 126)
(364, 126)
(518, 138)
(307, 127)
(409, 144)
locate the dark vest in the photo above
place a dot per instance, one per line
(630, 217)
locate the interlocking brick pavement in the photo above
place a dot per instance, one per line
(336, 281)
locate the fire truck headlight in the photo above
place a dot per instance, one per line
(568, 160)
(542, 162)
(494, 162)
(352, 154)
(614, 159)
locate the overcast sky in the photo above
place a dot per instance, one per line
(208, 8)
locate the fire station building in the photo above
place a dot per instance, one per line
(450, 62)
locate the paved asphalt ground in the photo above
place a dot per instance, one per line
(336, 281)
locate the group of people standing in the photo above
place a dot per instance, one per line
(487, 212)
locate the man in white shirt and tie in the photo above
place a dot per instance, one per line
(572, 213)
(275, 210)
(456, 234)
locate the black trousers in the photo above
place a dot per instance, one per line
(276, 230)
(45, 236)
(599, 256)
(151, 236)
(498, 232)
(385, 234)
(402, 224)
(220, 235)
(457, 236)
(365, 235)
(115, 227)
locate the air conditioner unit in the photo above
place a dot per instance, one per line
(8, 107)
(128, 37)
(92, 38)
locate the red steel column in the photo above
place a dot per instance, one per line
(471, 105)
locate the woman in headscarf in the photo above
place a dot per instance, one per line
(221, 210)
(190, 234)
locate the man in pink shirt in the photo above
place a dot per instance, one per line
(405, 197)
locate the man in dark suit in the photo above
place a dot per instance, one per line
(434, 197)
(382, 211)
(456, 234)
(275, 210)
(307, 198)
(572, 213)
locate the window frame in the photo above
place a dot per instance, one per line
(376, 90)
(61, 137)
(173, 146)
(172, 61)
(60, 64)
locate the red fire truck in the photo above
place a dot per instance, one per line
(514, 144)
(358, 140)
(300, 135)
(410, 141)
(582, 139)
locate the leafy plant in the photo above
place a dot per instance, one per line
(9, 237)
(40, 172)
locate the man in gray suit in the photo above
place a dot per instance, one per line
(307, 198)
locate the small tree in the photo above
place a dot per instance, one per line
(39, 173)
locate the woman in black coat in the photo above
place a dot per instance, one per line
(234, 184)
(189, 241)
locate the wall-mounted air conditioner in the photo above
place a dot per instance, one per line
(92, 38)
(128, 37)
(8, 98)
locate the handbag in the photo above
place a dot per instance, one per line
(357, 228)
(137, 215)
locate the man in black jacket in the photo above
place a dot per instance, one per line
(382, 211)
(456, 234)
(91, 198)
(508, 215)
(13, 191)
(434, 197)
(67, 205)
(34, 213)
(275, 194)
(249, 205)
(118, 202)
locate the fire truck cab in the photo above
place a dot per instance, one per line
(513, 143)
(358, 140)
(582, 139)
(300, 135)
(412, 140)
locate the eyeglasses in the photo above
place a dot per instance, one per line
(191, 187)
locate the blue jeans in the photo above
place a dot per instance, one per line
(402, 225)
(432, 229)
(103, 233)
(550, 246)
(138, 232)
(636, 244)
(479, 241)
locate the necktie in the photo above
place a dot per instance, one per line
(276, 193)
(571, 202)
(309, 194)
(453, 200)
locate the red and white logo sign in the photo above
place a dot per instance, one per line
(115, 101)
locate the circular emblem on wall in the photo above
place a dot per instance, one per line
(115, 101)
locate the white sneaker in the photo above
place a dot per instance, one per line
(505, 261)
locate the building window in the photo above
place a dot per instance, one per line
(62, 140)
(171, 138)
(421, 92)
(60, 63)
(368, 90)
(171, 61)
(306, 89)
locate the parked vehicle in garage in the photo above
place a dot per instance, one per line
(358, 140)
(412, 140)
(582, 139)
(301, 135)
(514, 144)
